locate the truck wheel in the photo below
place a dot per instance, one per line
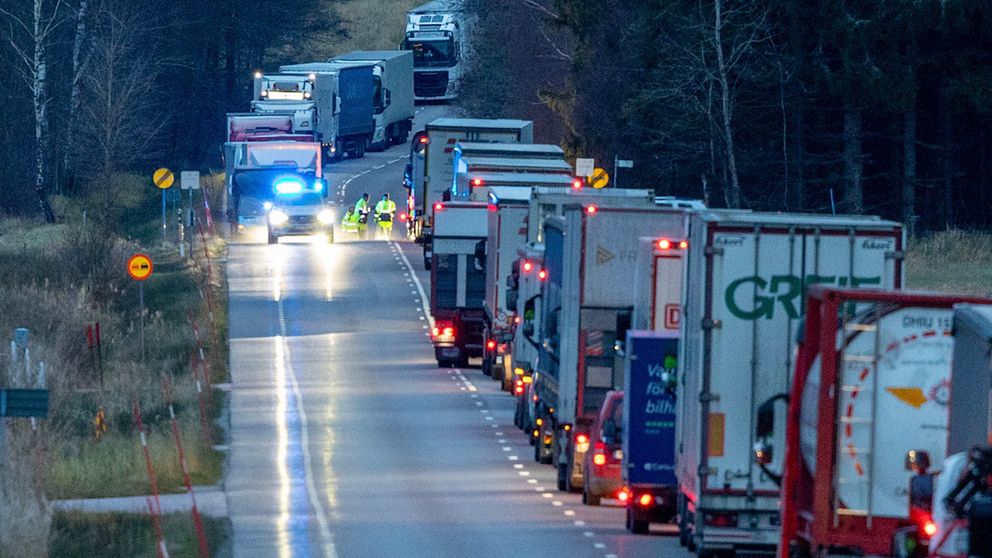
(635, 526)
(537, 449)
(445, 363)
(487, 366)
(462, 362)
(590, 498)
(563, 477)
(273, 239)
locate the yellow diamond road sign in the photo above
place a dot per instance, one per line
(599, 179)
(163, 178)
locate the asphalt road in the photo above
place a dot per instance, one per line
(347, 440)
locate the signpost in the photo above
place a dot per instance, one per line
(617, 165)
(188, 180)
(599, 178)
(140, 267)
(584, 167)
(163, 179)
(23, 402)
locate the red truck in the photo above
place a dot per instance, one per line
(867, 411)
(458, 281)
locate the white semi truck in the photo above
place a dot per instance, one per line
(392, 95)
(436, 32)
(586, 252)
(429, 172)
(747, 275)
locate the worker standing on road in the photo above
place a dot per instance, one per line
(362, 211)
(350, 221)
(385, 212)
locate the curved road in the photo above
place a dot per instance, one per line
(347, 440)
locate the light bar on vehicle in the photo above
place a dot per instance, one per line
(289, 186)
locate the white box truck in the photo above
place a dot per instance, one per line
(587, 253)
(472, 176)
(429, 172)
(392, 95)
(746, 279)
(507, 228)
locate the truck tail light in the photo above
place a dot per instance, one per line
(477, 182)
(424, 140)
(645, 500)
(684, 245)
(591, 209)
(519, 387)
(665, 244)
(623, 495)
(438, 206)
(542, 275)
(599, 454)
(577, 184)
(443, 332)
(929, 528)
(528, 266)
(720, 519)
(581, 442)
(491, 345)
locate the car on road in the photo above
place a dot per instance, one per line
(298, 210)
(604, 461)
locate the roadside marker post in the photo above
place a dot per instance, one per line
(154, 506)
(201, 536)
(163, 179)
(140, 268)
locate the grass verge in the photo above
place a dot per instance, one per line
(951, 261)
(122, 535)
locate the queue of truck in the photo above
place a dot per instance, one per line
(760, 380)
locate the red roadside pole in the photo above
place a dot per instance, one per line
(154, 506)
(201, 536)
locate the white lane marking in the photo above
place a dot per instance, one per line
(518, 466)
(513, 457)
(499, 434)
(579, 523)
(587, 533)
(547, 495)
(531, 481)
(420, 286)
(557, 503)
(327, 541)
(599, 546)
(523, 473)
(378, 167)
(570, 513)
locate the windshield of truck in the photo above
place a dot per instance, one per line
(432, 52)
(286, 89)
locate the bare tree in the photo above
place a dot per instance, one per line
(36, 34)
(118, 117)
(80, 56)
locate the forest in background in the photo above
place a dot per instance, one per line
(856, 106)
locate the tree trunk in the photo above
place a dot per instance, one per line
(78, 42)
(909, 168)
(733, 192)
(946, 152)
(853, 166)
(40, 112)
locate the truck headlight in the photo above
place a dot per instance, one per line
(326, 217)
(278, 217)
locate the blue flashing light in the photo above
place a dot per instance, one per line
(318, 186)
(289, 186)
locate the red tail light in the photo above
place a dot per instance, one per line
(599, 454)
(492, 208)
(438, 206)
(684, 244)
(582, 439)
(443, 332)
(542, 275)
(476, 182)
(528, 266)
(623, 495)
(665, 244)
(929, 528)
(519, 388)
(491, 345)
(577, 184)
(424, 140)
(591, 209)
(403, 217)
(645, 500)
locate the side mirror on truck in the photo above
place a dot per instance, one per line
(610, 431)
(764, 452)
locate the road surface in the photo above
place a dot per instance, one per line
(347, 440)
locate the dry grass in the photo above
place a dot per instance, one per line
(951, 261)
(369, 25)
(57, 280)
(121, 535)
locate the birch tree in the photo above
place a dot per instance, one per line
(29, 39)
